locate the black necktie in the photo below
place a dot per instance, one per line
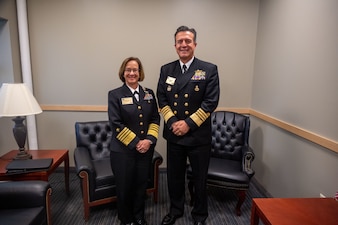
(136, 95)
(184, 68)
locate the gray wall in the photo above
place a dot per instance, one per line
(10, 68)
(6, 63)
(77, 47)
(82, 44)
(296, 81)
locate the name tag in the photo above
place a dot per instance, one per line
(170, 80)
(127, 101)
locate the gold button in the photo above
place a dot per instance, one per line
(141, 123)
(176, 95)
(141, 115)
(186, 95)
(175, 112)
(175, 103)
(139, 107)
(186, 104)
(117, 129)
(142, 132)
(186, 112)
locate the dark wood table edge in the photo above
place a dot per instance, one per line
(258, 215)
(45, 174)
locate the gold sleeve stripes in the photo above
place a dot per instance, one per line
(153, 130)
(167, 113)
(126, 136)
(199, 116)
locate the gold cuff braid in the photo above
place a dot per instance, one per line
(199, 116)
(153, 130)
(126, 136)
(167, 113)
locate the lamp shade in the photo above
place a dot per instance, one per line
(17, 100)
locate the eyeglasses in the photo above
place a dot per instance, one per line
(130, 70)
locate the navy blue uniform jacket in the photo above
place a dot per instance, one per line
(132, 120)
(192, 97)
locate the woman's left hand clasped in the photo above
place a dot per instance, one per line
(143, 146)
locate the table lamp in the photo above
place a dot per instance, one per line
(16, 100)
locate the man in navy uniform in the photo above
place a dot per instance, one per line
(187, 92)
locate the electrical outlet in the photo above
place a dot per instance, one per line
(321, 195)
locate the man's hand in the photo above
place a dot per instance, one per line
(180, 128)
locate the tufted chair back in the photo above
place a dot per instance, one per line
(231, 156)
(95, 136)
(230, 133)
(93, 166)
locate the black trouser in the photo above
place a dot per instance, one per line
(176, 173)
(131, 170)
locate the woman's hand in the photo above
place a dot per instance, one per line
(143, 146)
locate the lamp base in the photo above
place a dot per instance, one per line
(23, 155)
(20, 134)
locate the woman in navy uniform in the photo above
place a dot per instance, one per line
(134, 119)
(187, 92)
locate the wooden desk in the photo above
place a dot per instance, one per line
(294, 211)
(59, 156)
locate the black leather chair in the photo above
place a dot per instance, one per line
(92, 162)
(25, 202)
(231, 156)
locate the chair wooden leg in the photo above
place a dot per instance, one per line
(48, 206)
(241, 195)
(85, 194)
(86, 212)
(155, 195)
(191, 191)
(156, 175)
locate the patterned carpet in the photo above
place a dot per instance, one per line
(68, 210)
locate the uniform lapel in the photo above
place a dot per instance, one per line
(175, 73)
(141, 94)
(183, 79)
(126, 91)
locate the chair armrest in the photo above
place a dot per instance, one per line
(248, 157)
(156, 162)
(23, 194)
(83, 161)
(157, 158)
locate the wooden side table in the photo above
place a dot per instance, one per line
(59, 156)
(294, 211)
